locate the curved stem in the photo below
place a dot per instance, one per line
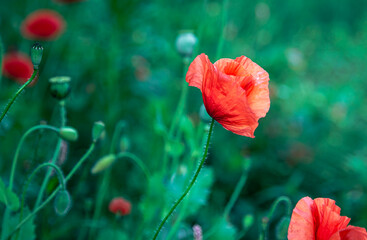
(59, 175)
(137, 160)
(35, 72)
(192, 182)
(17, 151)
(54, 157)
(53, 194)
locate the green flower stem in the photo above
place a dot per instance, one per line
(138, 162)
(235, 194)
(265, 224)
(192, 182)
(105, 181)
(12, 100)
(59, 175)
(179, 111)
(224, 20)
(19, 147)
(55, 156)
(53, 194)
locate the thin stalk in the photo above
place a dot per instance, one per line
(19, 147)
(12, 100)
(55, 156)
(53, 194)
(235, 194)
(224, 20)
(138, 162)
(192, 182)
(61, 182)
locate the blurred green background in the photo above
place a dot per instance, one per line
(124, 66)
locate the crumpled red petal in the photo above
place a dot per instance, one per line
(302, 225)
(228, 87)
(350, 233)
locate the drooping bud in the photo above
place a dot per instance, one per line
(36, 54)
(62, 203)
(60, 87)
(103, 163)
(68, 134)
(282, 228)
(185, 43)
(97, 130)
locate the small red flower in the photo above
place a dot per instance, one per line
(235, 92)
(120, 206)
(17, 66)
(320, 219)
(43, 25)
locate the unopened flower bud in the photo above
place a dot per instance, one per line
(36, 54)
(103, 163)
(282, 228)
(185, 43)
(60, 87)
(68, 134)
(62, 203)
(97, 130)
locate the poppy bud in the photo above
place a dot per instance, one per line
(97, 130)
(185, 43)
(103, 163)
(120, 206)
(282, 228)
(60, 87)
(68, 134)
(62, 203)
(36, 54)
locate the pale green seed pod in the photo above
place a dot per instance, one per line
(97, 130)
(185, 43)
(36, 54)
(248, 221)
(282, 228)
(103, 163)
(60, 87)
(62, 203)
(68, 134)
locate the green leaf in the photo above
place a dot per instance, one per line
(9, 198)
(223, 230)
(26, 232)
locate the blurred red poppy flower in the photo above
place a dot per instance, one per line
(120, 206)
(235, 92)
(17, 66)
(320, 219)
(43, 25)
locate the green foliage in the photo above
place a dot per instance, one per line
(26, 232)
(8, 197)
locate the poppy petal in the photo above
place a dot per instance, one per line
(327, 215)
(198, 70)
(350, 233)
(17, 66)
(226, 102)
(43, 25)
(302, 225)
(258, 98)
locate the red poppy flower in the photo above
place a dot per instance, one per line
(320, 219)
(120, 206)
(235, 92)
(43, 25)
(17, 66)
